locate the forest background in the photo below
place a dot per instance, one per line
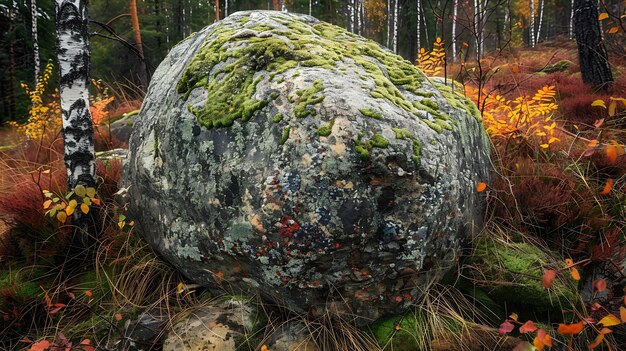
(478, 27)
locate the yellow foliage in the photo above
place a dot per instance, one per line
(432, 62)
(526, 117)
(376, 13)
(99, 102)
(43, 116)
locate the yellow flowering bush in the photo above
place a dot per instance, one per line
(44, 114)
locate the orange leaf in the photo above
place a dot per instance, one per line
(613, 30)
(96, 201)
(84, 208)
(570, 329)
(611, 153)
(599, 285)
(265, 348)
(41, 345)
(607, 187)
(597, 342)
(88, 293)
(480, 187)
(593, 143)
(575, 274)
(569, 262)
(398, 327)
(47, 204)
(622, 313)
(548, 278)
(117, 317)
(603, 16)
(610, 321)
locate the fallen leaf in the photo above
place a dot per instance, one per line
(599, 103)
(41, 345)
(622, 313)
(513, 316)
(596, 342)
(575, 273)
(84, 208)
(527, 327)
(548, 278)
(603, 16)
(598, 122)
(613, 30)
(607, 187)
(611, 153)
(88, 293)
(117, 317)
(599, 285)
(480, 187)
(506, 327)
(593, 143)
(47, 204)
(570, 329)
(610, 321)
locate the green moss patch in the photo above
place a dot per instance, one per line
(370, 113)
(326, 129)
(515, 272)
(226, 65)
(308, 97)
(417, 145)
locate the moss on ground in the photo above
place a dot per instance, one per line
(515, 272)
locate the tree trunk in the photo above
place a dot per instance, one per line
(157, 16)
(225, 8)
(73, 55)
(571, 22)
(538, 37)
(33, 11)
(276, 5)
(395, 26)
(592, 55)
(388, 23)
(143, 71)
(532, 24)
(310, 7)
(217, 10)
(454, 15)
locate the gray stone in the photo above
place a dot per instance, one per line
(282, 155)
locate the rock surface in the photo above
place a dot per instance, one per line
(282, 155)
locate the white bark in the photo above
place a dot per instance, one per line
(571, 21)
(389, 23)
(225, 8)
(395, 26)
(352, 14)
(532, 23)
(538, 37)
(454, 15)
(34, 13)
(419, 19)
(73, 54)
(310, 7)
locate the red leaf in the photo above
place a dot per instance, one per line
(506, 327)
(548, 278)
(41, 345)
(86, 345)
(599, 285)
(527, 327)
(607, 187)
(57, 308)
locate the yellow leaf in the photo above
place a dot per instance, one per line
(80, 190)
(69, 210)
(91, 192)
(599, 103)
(72, 203)
(84, 208)
(544, 146)
(61, 216)
(609, 321)
(612, 108)
(513, 316)
(180, 288)
(603, 16)
(121, 224)
(622, 313)
(47, 204)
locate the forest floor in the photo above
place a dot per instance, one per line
(547, 270)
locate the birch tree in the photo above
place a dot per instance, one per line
(532, 24)
(73, 56)
(454, 18)
(34, 13)
(419, 19)
(395, 26)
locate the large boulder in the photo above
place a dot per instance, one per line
(278, 154)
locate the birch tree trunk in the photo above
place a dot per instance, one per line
(388, 23)
(395, 26)
(532, 24)
(537, 38)
(73, 55)
(33, 11)
(454, 15)
(419, 19)
(225, 8)
(310, 7)
(571, 22)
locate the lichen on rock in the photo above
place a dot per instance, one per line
(300, 161)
